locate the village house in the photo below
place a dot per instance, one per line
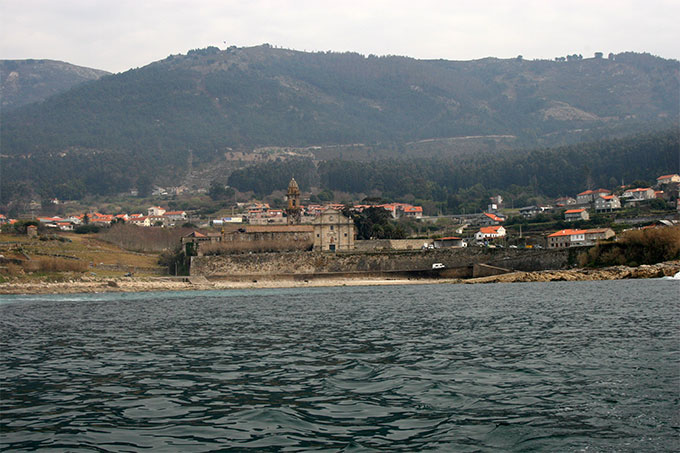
(333, 231)
(589, 196)
(562, 202)
(532, 211)
(667, 179)
(572, 215)
(140, 220)
(607, 203)
(489, 232)
(155, 211)
(415, 212)
(175, 216)
(593, 235)
(639, 194)
(566, 238)
(488, 218)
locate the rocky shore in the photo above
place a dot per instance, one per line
(128, 284)
(667, 269)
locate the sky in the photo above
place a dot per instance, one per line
(122, 34)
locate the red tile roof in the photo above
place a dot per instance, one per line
(494, 217)
(573, 211)
(490, 229)
(566, 233)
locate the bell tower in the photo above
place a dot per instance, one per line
(293, 211)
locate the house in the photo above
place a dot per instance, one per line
(532, 211)
(593, 235)
(572, 215)
(566, 238)
(175, 216)
(589, 196)
(489, 232)
(333, 231)
(488, 218)
(3, 219)
(639, 194)
(451, 241)
(667, 179)
(564, 201)
(155, 211)
(607, 203)
(65, 226)
(415, 212)
(140, 221)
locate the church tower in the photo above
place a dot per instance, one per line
(293, 211)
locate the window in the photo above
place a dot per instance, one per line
(331, 227)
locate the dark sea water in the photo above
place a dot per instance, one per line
(562, 366)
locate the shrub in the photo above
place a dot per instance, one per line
(636, 247)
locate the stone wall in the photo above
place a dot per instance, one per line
(323, 262)
(390, 244)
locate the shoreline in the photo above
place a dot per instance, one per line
(132, 284)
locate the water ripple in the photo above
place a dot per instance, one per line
(586, 366)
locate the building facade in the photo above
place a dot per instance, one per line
(333, 231)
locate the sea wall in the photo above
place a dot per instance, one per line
(454, 260)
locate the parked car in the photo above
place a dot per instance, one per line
(438, 266)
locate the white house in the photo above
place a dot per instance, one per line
(155, 211)
(668, 179)
(489, 232)
(639, 194)
(566, 238)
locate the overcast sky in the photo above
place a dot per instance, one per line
(122, 34)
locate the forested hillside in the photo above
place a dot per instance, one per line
(26, 81)
(457, 185)
(153, 123)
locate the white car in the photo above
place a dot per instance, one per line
(438, 266)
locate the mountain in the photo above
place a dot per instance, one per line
(26, 81)
(163, 120)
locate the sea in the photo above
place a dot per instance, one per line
(525, 367)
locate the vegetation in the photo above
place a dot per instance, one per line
(522, 178)
(636, 247)
(150, 124)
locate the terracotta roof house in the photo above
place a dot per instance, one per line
(566, 238)
(489, 232)
(571, 215)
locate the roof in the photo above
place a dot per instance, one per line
(490, 229)
(450, 238)
(590, 192)
(174, 212)
(667, 176)
(639, 189)
(607, 197)
(195, 234)
(566, 233)
(573, 211)
(494, 217)
(598, 230)
(413, 209)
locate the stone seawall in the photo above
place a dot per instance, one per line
(323, 262)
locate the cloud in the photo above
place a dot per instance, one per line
(117, 35)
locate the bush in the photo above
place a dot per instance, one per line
(87, 229)
(636, 247)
